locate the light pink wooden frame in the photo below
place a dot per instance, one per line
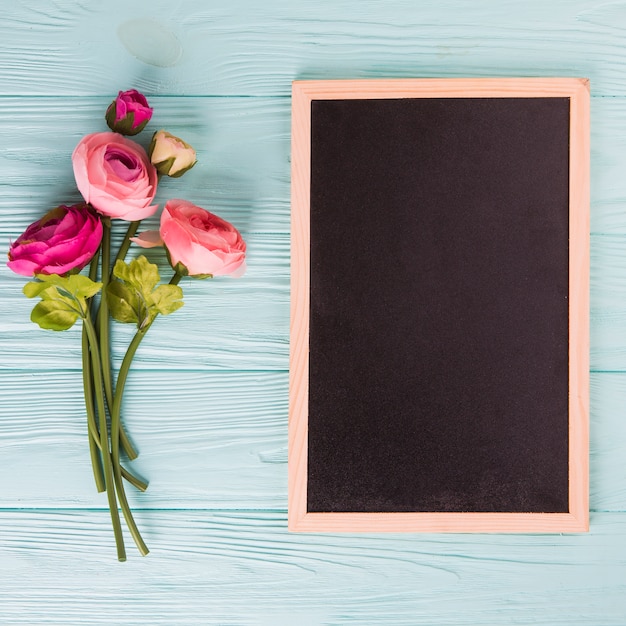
(577, 519)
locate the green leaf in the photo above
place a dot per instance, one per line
(123, 303)
(63, 299)
(167, 299)
(75, 285)
(139, 273)
(52, 315)
(82, 286)
(135, 296)
(34, 288)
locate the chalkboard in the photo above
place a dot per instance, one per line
(439, 364)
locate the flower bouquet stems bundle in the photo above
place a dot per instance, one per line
(118, 180)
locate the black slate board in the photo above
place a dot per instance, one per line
(439, 305)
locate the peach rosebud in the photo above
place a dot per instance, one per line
(129, 113)
(115, 176)
(64, 239)
(198, 243)
(170, 155)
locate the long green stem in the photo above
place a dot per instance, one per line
(104, 440)
(121, 253)
(128, 359)
(94, 435)
(95, 446)
(92, 428)
(103, 313)
(115, 421)
(108, 271)
(102, 320)
(115, 450)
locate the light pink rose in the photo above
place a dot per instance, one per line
(128, 113)
(170, 155)
(64, 239)
(115, 176)
(198, 242)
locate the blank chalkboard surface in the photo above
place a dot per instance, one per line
(439, 358)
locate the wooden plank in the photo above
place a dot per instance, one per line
(245, 48)
(608, 308)
(243, 151)
(242, 145)
(246, 335)
(207, 439)
(37, 175)
(213, 567)
(213, 330)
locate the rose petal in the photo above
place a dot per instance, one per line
(148, 239)
(114, 174)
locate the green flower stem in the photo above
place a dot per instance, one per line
(121, 253)
(95, 444)
(103, 313)
(126, 363)
(94, 436)
(92, 427)
(93, 269)
(115, 441)
(104, 440)
(102, 321)
(121, 494)
(115, 421)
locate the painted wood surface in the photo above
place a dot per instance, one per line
(207, 400)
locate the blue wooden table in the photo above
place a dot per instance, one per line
(206, 401)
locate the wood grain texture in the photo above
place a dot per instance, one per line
(205, 439)
(243, 154)
(246, 48)
(235, 136)
(209, 439)
(213, 330)
(244, 568)
(207, 400)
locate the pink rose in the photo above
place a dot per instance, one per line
(115, 176)
(64, 239)
(198, 242)
(128, 113)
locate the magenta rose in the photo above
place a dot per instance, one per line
(64, 239)
(128, 113)
(198, 242)
(115, 176)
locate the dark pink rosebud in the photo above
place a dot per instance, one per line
(128, 113)
(64, 239)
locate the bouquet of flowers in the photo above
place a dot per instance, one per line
(118, 180)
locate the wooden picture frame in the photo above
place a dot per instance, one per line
(575, 519)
